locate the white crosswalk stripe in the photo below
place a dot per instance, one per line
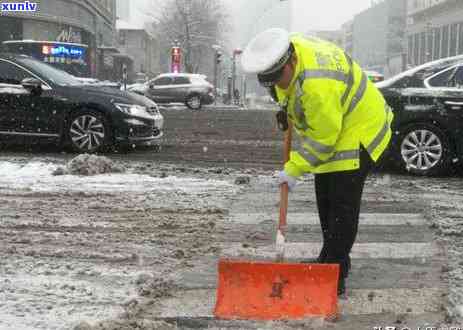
(360, 250)
(200, 303)
(369, 219)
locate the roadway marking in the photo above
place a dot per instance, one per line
(368, 219)
(200, 303)
(311, 250)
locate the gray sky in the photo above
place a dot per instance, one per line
(325, 14)
(311, 14)
(307, 14)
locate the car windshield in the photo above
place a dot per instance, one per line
(50, 73)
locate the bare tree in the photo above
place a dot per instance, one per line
(195, 25)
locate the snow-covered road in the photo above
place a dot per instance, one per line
(107, 251)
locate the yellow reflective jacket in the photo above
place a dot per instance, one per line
(334, 109)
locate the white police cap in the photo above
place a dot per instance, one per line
(267, 52)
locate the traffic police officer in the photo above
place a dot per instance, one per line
(341, 118)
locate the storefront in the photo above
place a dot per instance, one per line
(72, 30)
(71, 57)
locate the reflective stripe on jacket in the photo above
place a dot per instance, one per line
(334, 109)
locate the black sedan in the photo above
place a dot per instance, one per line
(40, 103)
(428, 107)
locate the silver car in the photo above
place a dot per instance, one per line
(191, 89)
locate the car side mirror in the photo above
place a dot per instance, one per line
(151, 86)
(33, 85)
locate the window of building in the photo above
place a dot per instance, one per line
(453, 39)
(416, 51)
(423, 58)
(410, 50)
(143, 43)
(437, 43)
(445, 41)
(122, 37)
(12, 74)
(460, 39)
(429, 44)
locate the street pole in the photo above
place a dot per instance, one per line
(244, 92)
(215, 79)
(233, 77)
(235, 53)
(124, 76)
(217, 55)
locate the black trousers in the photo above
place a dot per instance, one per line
(338, 200)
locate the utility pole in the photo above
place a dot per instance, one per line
(124, 76)
(236, 52)
(244, 92)
(217, 60)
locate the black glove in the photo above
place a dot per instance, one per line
(282, 120)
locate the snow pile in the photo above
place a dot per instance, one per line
(86, 164)
(36, 177)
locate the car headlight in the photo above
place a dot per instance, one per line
(133, 110)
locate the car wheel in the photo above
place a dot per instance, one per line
(424, 150)
(88, 132)
(194, 102)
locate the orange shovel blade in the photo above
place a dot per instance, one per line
(276, 291)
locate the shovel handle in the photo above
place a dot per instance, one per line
(284, 186)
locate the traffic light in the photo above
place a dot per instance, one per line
(218, 57)
(176, 59)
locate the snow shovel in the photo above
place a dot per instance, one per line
(259, 290)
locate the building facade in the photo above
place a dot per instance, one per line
(348, 36)
(434, 31)
(88, 22)
(334, 36)
(378, 37)
(142, 47)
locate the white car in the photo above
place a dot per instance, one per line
(191, 89)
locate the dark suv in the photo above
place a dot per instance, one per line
(41, 103)
(191, 89)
